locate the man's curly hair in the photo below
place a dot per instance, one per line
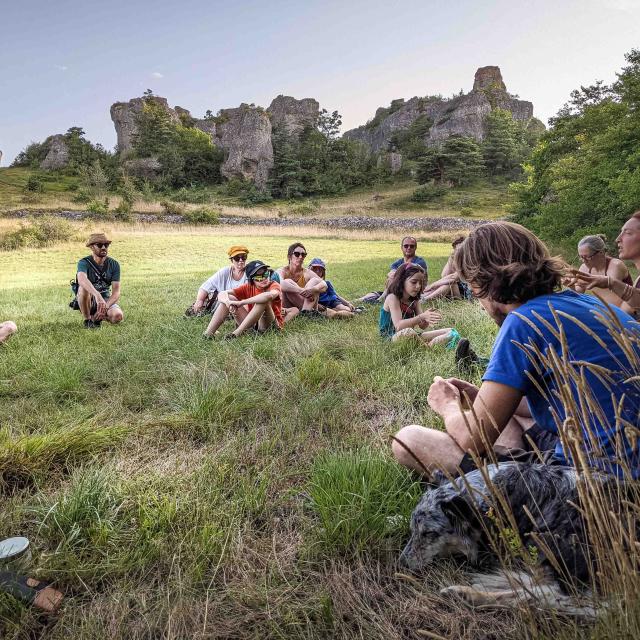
(507, 263)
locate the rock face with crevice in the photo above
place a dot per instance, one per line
(293, 115)
(245, 135)
(57, 153)
(124, 115)
(462, 115)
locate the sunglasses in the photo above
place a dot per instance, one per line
(102, 245)
(409, 246)
(239, 258)
(299, 254)
(262, 276)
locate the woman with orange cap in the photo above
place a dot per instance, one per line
(225, 279)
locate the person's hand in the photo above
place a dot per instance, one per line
(197, 305)
(233, 306)
(307, 293)
(443, 396)
(101, 308)
(431, 316)
(587, 280)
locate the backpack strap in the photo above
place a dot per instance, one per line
(97, 273)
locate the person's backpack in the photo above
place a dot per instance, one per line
(75, 286)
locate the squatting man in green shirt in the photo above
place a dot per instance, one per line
(99, 284)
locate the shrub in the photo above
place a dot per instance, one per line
(173, 208)
(253, 196)
(305, 208)
(99, 207)
(428, 193)
(34, 185)
(202, 215)
(466, 212)
(42, 232)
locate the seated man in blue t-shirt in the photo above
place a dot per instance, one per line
(408, 245)
(98, 278)
(545, 335)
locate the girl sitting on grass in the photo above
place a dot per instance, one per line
(401, 315)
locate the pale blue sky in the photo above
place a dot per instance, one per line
(63, 62)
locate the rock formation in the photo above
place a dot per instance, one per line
(124, 115)
(462, 115)
(57, 153)
(293, 115)
(245, 135)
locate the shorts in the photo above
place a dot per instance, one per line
(534, 438)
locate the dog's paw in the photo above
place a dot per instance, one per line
(477, 597)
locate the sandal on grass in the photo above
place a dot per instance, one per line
(31, 591)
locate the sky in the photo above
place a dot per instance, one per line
(64, 62)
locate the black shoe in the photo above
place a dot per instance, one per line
(312, 314)
(466, 358)
(230, 336)
(91, 324)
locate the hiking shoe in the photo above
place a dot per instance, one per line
(466, 358)
(206, 336)
(230, 336)
(90, 324)
(312, 314)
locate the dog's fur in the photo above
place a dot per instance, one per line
(461, 518)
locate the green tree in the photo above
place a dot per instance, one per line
(458, 161)
(584, 175)
(286, 173)
(500, 148)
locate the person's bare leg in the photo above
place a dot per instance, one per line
(443, 291)
(251, 318)
(84, 302)
(267, 319)
(435, 336)
(436, 450)
(114, 316)
(7, 329)
(218, 318)
(289, 313)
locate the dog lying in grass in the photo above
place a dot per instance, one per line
(526, 514)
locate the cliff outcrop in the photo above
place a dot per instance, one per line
(57, 153)
(293, 115)
(124, 116)
(462, 115)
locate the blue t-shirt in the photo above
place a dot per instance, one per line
(421, 262)
(329, 298)
(511, 366)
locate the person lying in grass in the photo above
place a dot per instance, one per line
(524, 397)
(329, 302)
(401, 315)
(254, 305)
(7, 329)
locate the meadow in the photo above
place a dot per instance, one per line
(174, 487)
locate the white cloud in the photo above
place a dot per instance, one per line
(61, 67)
(157, 74)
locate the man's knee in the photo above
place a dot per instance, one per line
(9, 327)
(409, 436)
(115, 316)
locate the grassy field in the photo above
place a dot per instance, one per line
(482, 200)
(179, 488)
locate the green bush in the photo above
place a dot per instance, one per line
(99, 207)
(42, 232)
(428, 193)
(202, 215)
(173, 208)
(34, 185)
(466, 212)
(305, 208)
